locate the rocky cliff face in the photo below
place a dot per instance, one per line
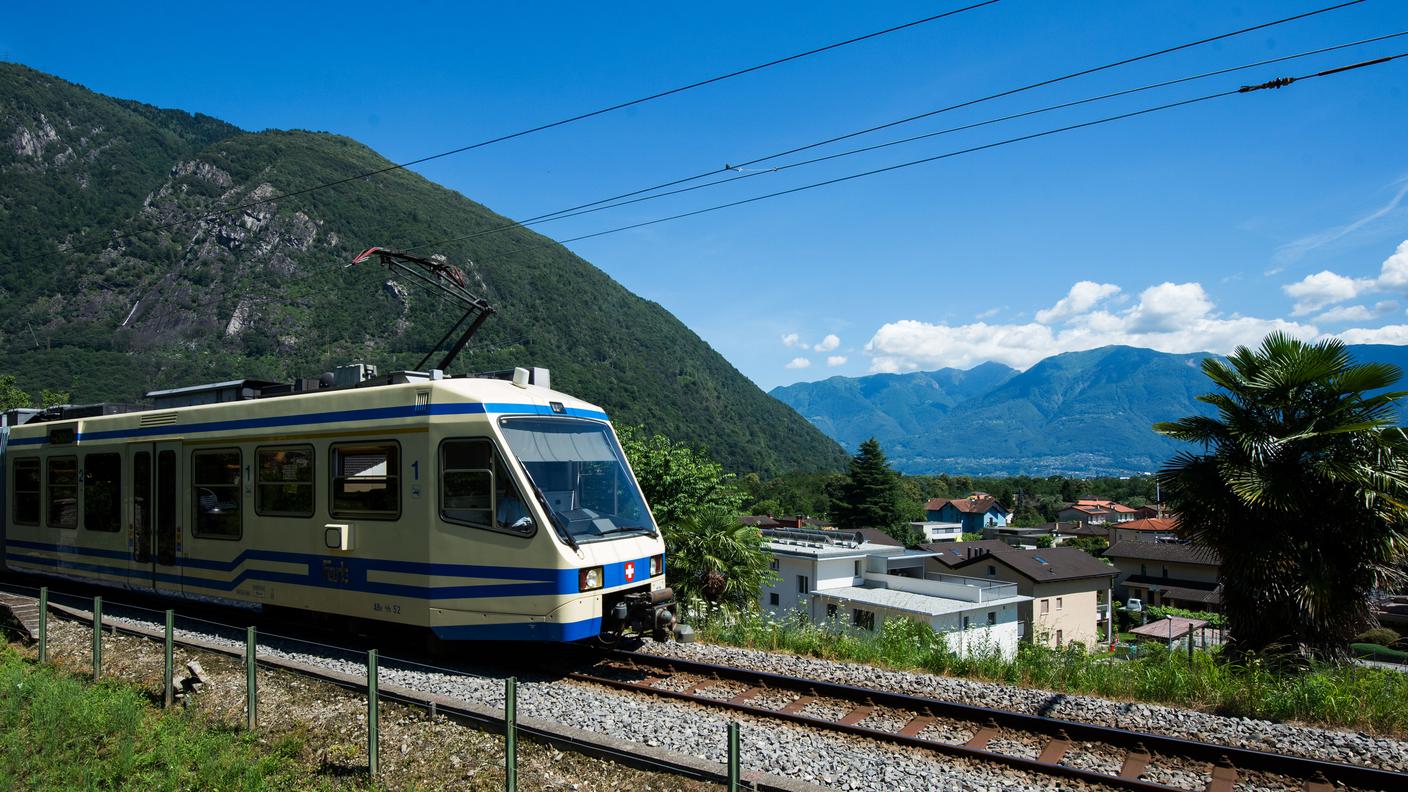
(121, 271)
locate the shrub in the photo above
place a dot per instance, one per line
(1383, 636)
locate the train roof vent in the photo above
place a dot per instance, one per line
(157, 419)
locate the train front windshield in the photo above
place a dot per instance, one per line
(580, 472)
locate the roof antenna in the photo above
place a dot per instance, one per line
(436, 273)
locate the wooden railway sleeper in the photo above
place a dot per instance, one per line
(1055, 749)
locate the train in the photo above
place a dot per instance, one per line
(479, 507)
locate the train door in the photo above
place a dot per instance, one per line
(156, 516)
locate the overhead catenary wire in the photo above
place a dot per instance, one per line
(948, 108)
(593, 208)
(560, 122)
(1271, 84)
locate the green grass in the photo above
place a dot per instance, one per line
(57, 732)
(1347, 696)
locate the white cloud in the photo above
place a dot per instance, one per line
(798, 363)
(836, 360)
(1346, 313)
(1082, 297)
(1295, 250)
(1388, 334)
(1314, 292)
(1170, 317)
(791, 339)
(828, 343)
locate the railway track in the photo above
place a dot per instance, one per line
(1081, 752)
(1068, 749)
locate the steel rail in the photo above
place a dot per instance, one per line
(1225, 760)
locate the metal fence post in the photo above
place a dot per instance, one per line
(511, 734)
(97, 637)
(167, 673)
(251, 691)
(372, 741)
(734, 769)
(44, 624)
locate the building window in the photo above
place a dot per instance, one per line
(1045, 607)
(1144, 569)
(27, 496)
(803, 585)
(478, 490)
(1165, 571)
(1059, 637)
(773, 565)
(772, 599)
(992, 571)
(830, 610)
(63, 492)
(857, 574)
(992, 618)
(102, 492)
(1059, 606)
(283, 481)
(863, 618)
(965, 622)
(366, 481)
(215, 485)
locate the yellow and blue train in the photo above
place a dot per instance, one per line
(479, 508)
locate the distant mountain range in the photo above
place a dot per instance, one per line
(1080, 413)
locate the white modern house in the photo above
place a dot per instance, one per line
(837, 576)
(939, 531)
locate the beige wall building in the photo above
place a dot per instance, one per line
(1070, 591)
(1177, 575)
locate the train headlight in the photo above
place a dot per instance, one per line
(589, 578)
(657, 564)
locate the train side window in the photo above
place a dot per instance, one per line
(476, 489)
(27, 491)
(215, 493)
(63, 492)
(366, 481)
(283, 482)
(102, 492)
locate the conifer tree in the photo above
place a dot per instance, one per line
(869, 495)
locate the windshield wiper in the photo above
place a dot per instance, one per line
(557, 522)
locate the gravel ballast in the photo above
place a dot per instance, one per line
(825, 759)
(1328, 744)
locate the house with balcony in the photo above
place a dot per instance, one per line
(1174, 574)
(1096, 511)
(1070, 591)
(975, 512)
(838, 577)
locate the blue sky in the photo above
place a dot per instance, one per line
(1196, 228)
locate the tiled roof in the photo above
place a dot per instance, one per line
(970, 505)
(1156, 551)
(1049, 563)
(954, 553)
(877, 536)
(1159, 524)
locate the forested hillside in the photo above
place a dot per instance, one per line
(92, 301)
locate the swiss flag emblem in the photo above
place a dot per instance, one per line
(630, 571)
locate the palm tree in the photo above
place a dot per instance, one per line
(1302, 489)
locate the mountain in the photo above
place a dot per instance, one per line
(888, 406)
(1079, 413)
(119, 275)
